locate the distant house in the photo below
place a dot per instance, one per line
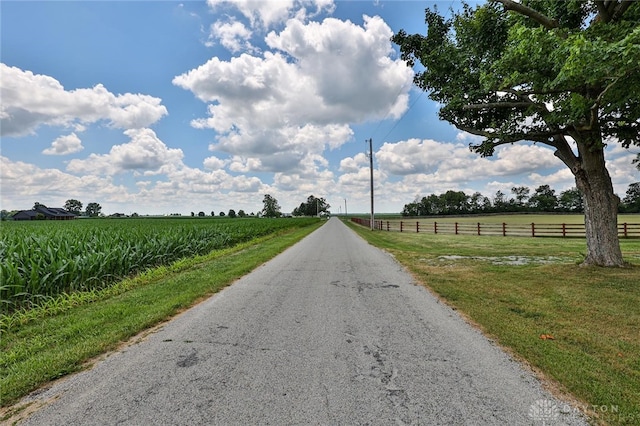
(49, 213)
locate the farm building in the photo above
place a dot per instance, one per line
(49, 213)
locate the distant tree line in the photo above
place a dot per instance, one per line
(232, 214)
(543, 199)
(312, 207)
(75, 207)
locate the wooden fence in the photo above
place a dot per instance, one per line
(564, 230)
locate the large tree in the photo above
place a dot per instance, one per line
(544, 199)
(571, 201)
(632, 198)
(94, 210)
(561, 73)
(313, 207)
(271, 207)
(73, 206)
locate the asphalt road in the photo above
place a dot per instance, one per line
(331, 332)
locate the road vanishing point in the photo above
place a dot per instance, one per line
(333, 331)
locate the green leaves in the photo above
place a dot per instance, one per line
(485, 64)
(41, 260)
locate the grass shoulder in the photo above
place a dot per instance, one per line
(49, 344)
(578, 326)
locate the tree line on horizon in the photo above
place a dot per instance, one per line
(542, 200)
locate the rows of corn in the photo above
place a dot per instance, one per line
(43, 259)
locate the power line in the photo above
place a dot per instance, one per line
(403, 115)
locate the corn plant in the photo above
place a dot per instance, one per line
(41, 260)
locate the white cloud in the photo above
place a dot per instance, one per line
(417, 156)
(65, 145)
(25, 183)
(145, 152)
(349, 67)
(455, 162)
(214, 163)
(284, 109)
(559, 180)
(353, 164)
(30, 100)
(267, 14)
(233, 35)
(522, 158)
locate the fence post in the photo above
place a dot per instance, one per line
(564, 230)
(533, 229)
(435, 227)
(387, 225)
(504, 229)
(625, 229)
(478, 228)
(417, 227)
(456, 228)
(400, 226)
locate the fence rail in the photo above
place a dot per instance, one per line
(563, 230)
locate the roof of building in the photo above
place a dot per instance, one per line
(53, 211)
(48, 212)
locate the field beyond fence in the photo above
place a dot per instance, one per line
(515, 229)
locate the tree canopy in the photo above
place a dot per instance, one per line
(74, 206)
(271, 207)
(550, 71)
(94, 210)
(312, 207)
(562, 73)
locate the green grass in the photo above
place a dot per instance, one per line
(592, 313)
(47, 345)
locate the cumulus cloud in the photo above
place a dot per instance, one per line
(22, 183)
(266, 14)
(458, 163)
(233, 35)
(287, 106)
(416, 156)
(145, 152)
(334, 54)
(65, 145)
(30, 100)
(214, 163)
(559, 180)
(353, 164)
(180, 188)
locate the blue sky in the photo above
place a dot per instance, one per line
(161, 107)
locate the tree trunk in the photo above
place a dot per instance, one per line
(600, 207)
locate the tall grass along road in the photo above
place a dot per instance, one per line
(332, 331)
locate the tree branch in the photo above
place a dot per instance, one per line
(611, 10)
(565, 153)
(499, 105)
(542, 137)
(529, 12)
(522, 94)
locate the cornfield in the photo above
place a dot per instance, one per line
(43, 259)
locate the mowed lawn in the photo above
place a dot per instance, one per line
(579, 327)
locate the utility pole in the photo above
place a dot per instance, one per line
(371, 170)
(345, 207)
